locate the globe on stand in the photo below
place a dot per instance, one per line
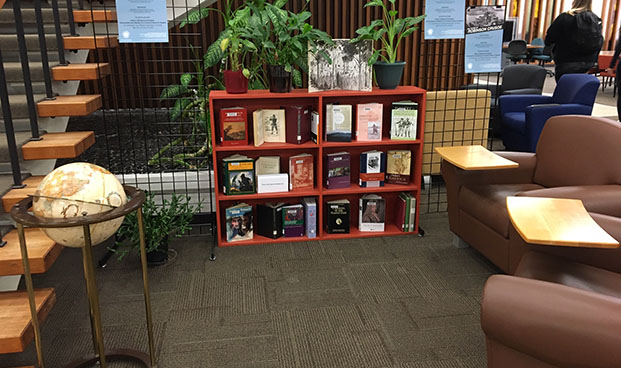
(79, 189)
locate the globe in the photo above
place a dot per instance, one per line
(79, 189)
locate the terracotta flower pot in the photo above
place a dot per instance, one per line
(235, 81)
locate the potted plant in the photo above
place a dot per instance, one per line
(389, 31)
(233, 42)
(171, 219)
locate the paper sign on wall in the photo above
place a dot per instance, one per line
(445, 19)
(484, 39)
(142, 21)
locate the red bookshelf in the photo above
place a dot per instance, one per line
(263, 99)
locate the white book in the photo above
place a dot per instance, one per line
(272, 183)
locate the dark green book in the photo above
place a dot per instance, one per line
(238, 175)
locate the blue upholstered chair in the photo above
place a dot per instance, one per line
(523, 116)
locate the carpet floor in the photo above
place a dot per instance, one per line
(392, 302)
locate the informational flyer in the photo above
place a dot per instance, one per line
(484, 39)
(142, 21)
(445, 19)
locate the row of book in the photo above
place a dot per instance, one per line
(376, 168)
(299, 124)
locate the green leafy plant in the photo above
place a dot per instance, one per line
(170, 219)
(389, 31)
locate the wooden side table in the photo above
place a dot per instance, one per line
(475, 158)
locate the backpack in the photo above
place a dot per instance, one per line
(588, 34)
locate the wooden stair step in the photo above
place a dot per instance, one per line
(79, 72)
(17, 332)
(42, 252)
(58, 145)
(97, 16)
(90, 42)
(15, 195)
(79, 105)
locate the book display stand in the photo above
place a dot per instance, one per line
(255, 99)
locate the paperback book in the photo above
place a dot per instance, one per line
(372, 213)
(338, 123)
(301, 172)
(239, 223)
(369, 122)
(337, 216)
(267, 165)
(372, 169)
(338, 170)
(269, 126)
(404, 120)
(298, 124)
(269, 220)
(398, 166)
(238, 175)
(293, 221)
(310, 219)
(315, 126)
(233, 126)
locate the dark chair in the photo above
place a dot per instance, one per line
(517, 51)
(533, 51)
(523, 116)
(544, 57)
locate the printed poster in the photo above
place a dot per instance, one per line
(142, 21)
(445, 19)
(484, 39)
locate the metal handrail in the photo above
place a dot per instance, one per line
(59, 34)
(8, 126)
(70, 17)
(43, 46)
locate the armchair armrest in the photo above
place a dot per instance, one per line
(602, 199)
(518, 103)
(493, 88)
(557, 324)
(523, 91)
(538, 114)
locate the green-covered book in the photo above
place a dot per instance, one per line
(238, 175)
(404, 120)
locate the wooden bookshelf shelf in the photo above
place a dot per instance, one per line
(254, 100)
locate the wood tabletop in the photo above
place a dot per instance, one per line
(607, 53)
(557, 221)
(474, 158)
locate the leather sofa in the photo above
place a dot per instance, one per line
(577, 157)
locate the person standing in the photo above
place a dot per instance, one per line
(576, 39)
(615, 60)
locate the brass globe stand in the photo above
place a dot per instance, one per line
(23, 218)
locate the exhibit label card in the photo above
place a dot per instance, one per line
(445, 19)
(142, 21)
(484, 39)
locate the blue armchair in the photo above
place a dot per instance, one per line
(523, 116)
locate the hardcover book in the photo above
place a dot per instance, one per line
(239, 222)
(267, 165)
(372, 213)
(337, 216)
(293, 221)
(369, 122)
(315, 126)
(401, 207)
(238, 175)
(233, 126)
(272, 183)
(301, 172)
(408, 220)
(298, 121)
(372, 169)
(269, 220)
(404, 120)
(338, 170)
(338, 123)
(269, 126)
(310, 213)
(398, 164)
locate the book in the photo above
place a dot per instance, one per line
(371, 213)
(268, 126)
(239, 223)
(310, 216)
(338, 170)
(372, 169)
(298, 124)
(404, 120)
(233, 126)
(293, 221)
(301, 172)
(369, 122)
(412, 218)
(238, 175)
(401, 205)
(272, 183)
(408, 221)
(338, 123)
(314, 126)
(267, 165)
(398, 165)
(269, 220)
(337, 216)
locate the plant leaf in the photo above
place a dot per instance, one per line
(214, 52)
(186, 79)
(172, 91)
(297, 78)
(177, 109)
(374, 57)
(195, 16)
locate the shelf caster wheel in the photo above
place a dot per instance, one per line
(212, 258)
(421, 232)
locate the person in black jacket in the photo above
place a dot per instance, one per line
(615, 60)
(571, 54)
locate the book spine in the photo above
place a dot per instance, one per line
(412, 213)
(401, 214)
(360, 214)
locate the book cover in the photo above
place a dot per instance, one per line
(369, 122)
(372, 213)
(257, 127)
(298, 124)
(273, 123)
(404, 120)
(412, 219)
(338, 123)
(337, 216)
(238, 175)
(239, 223)
(269, 220)
(315, 126)
(401, 213)
(310, 213)
(267, 165)
(301, 172)
(338, 170)
(372, 169)
(398, 165)
(233, 126)
(272, 183)
(293, 221)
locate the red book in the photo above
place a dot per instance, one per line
(298, 124)
(301, 172)
(401, 214)
(234, 126)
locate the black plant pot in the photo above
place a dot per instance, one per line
(280, 79)
(159, 256)
(388, 75)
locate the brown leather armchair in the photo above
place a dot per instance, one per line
(558, 313)
(577, 157)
